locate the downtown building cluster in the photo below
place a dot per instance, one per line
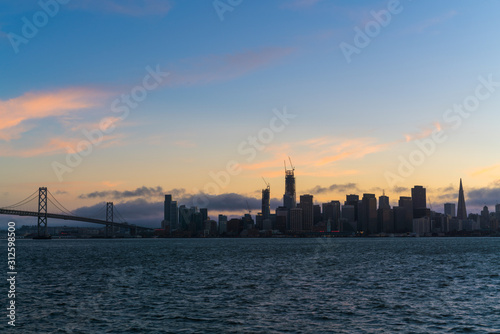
(362, 216)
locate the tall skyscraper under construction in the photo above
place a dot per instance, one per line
(266, 202)
(290, 199)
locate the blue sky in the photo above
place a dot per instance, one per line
(353, 119)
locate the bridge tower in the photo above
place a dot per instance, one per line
(109, 217)
(42, 212)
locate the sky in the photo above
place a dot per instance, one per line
(126, 101)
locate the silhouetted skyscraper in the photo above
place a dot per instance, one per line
(485, 218)
(166, 210)
(174, 216)
(353, 200)
(407, 204)
(462, 211)
(331, 214)
(290, 199)
(419, 199)
(266, 202)
(306, 204)
(296, 219)
(383, 202)
(368, 214)
(449, 209)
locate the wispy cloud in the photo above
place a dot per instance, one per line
(424, 132)
(15, 112)
(319, 156)
(423, 26)
(485, 170)
(214, 68)
(125, 7)
(343, 188)
(299, 4)
(145, 192)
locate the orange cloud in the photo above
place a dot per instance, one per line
(484, 170)
(424, 132)
(40, 105)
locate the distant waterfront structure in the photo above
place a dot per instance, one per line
(462, 211)
(497, 210)
(449, 209)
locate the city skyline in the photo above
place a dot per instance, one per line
(154, 106)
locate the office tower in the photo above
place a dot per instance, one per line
(449, 209)
(331, 213)
(197, 224)
(222, 224)
(497, 210)
(190, 219)
(462, 211)
(400, 224)
(266, 202)
(348, 213)
(407, 204)
(306, 204)
(385, 220)
(353, 200)
(367, 214)
(485, 218)
(328, 213)
(419, 199)
(317, 216)
(259, 221)
(383, 202)
(296, 220)
(166, 210)
(281, 223)
(289, 199)
(174, 216)
(204, 214)
(281, 211)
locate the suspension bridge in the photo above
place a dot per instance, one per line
(41, 198)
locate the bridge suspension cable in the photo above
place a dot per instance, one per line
(118, 215)
(60, 205)
(24, 201)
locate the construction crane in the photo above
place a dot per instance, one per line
(248, 207)
(293, 168)
(267, 183)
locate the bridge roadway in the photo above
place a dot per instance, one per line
(75, 218)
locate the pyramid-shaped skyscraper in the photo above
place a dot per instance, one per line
(462, 211)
